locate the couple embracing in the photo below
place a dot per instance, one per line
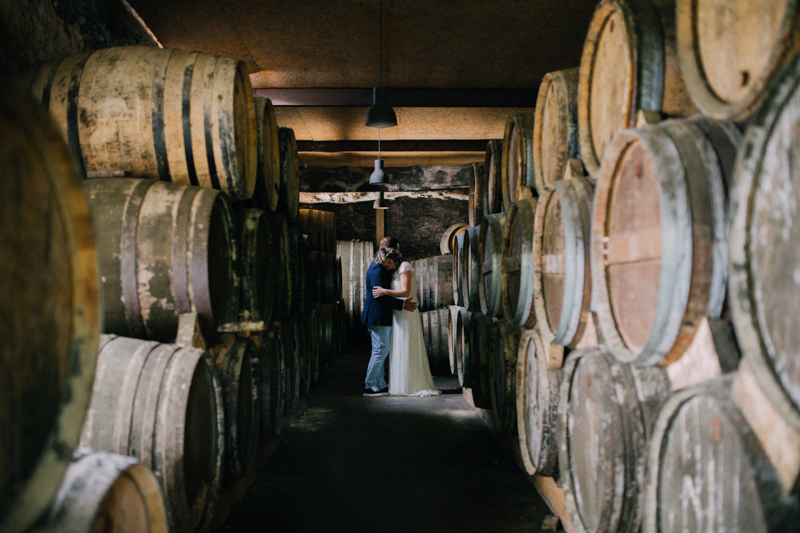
(394, 325)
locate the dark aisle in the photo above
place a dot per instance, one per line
(354, 464)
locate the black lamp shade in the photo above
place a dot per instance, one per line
(381, 114)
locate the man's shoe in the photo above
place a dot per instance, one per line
(372, 392)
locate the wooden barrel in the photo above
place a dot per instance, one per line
(325, 322)
(104, 491)
(240, 374)
(52, 313)
(629, 63)
(268, 174)
(490, 257)
(282, 250)
(301, 267)
(539, 376)
(659, 242)
(606, 411)
(289, 193)
(555, 126)
(355, 257)
(162, 404)
(517, 172)
(256, 265)
(763, 248)
(324, 272)
(311, 334)
(516, 275)
(452, 319)
(503, 376)
(562, 283)
(463, 347)
(434, 331)
(477, 191)
(173, 115)
(493, 179)
(434, 282)
(166, 249)
(483, 355)
(471, 272)
(320, 226)
(459, 269)
(707, 470)
(447, 244)
(290, 332)
(273, 381)
(729, 57)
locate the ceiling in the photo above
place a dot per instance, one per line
(455, 69)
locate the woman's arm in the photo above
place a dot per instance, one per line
(405, 286)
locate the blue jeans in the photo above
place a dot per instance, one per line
(381, 342)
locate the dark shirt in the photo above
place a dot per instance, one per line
(378, 311)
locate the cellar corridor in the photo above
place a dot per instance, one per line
(354, 464)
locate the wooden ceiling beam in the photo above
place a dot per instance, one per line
(448, 145)
(400, 97)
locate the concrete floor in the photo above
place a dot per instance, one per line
(353, 464)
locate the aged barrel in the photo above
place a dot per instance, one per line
(463, 347)
(555, 126)
(459, 262)
(707, 470)
(471, 269)
(162, 404)
(516, 277)
(452, 319)
(503, 376)
(289, 192)
(355, 257)
(257, 265)
(659, 240)
(325, 322)
(629, 63)
(167, 249)
(434, 282)
(517, 172)
(167, 114)
(290, 332)
(729, 57)
(477, 192)
(273, 381)
(324, 275)
(483, 356)
(104, 491)
(282, 255)
(493, 178)
(764, 263)
(562, 283)
(434, 331)
(539, 376)
(320, 226)
(240, 373)
(490, 256)
(268, 173)
(447, 244)
(51, 317)
(606, 411)
(299, 265)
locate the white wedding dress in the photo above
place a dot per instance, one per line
(409, 371)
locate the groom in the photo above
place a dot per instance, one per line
(377, 315)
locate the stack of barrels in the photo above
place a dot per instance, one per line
(172, 302)
(355, 257)
(627, 288)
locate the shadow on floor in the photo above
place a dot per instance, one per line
(353, 464)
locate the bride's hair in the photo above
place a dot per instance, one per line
(386, 253)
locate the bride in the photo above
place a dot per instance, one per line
(409, 371)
